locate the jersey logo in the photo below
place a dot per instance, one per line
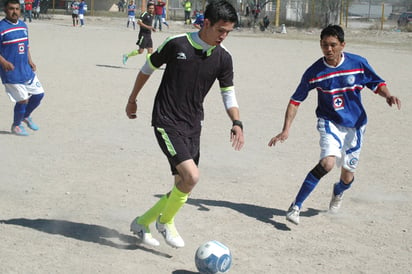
(353, 162)
(351, 79)
(338, 102)
(181, 56)
(21, 48)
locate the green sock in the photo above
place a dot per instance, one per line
(151, 215)
(133, 53)
(175, 201)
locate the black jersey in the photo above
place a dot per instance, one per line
(146, 19)
(188, 77)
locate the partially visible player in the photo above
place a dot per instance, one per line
(131, 14)
(339, 77)
(144, 40)
(17, 69)
(198, 23)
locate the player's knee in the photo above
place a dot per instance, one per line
(190, 179)
(328, 163)
(319, 171)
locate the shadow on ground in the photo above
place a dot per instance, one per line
(260, 213)
(84, 232)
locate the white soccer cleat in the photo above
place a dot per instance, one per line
(293, 214)
(335, 203)
(170, 234)
(143, 233)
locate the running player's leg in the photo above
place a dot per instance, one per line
(352, 148)
(18, 94)
(330, 143)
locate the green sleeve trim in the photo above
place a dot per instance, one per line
(226, 89)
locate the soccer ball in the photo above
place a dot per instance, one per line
(213, 257)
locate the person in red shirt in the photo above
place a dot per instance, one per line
(28, 9)
(158, 14)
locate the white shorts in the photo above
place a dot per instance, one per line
(21, 92)
(132, 18)
(81, 16)
(342, 142)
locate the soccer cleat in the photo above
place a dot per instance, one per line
(19, 130)
(125, 59)
(293, 214)
(335, 202)
(143, 233)
(170, 234)
(30, 123)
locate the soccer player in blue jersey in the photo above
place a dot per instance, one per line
(17, 70)
(339, 77)
(193, 62)
(131, 14)
(82, 11)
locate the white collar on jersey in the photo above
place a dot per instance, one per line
(196, 38)
(340, 63)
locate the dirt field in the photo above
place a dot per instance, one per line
(69, 191)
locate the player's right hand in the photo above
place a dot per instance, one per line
(7, 66)
(131, 109)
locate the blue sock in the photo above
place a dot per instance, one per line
(307, 187)
(341, 187)
(19, 110)
(34, 102)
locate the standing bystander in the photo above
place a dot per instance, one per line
(75, 12)
(28, 9)
(131, 14)
(187, 6)
(82, 11)
(164, 17)
(158, 14)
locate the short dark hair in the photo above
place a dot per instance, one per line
(220, 10)
(333, 30)
(7, 2)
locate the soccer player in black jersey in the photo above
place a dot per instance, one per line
(193, 62)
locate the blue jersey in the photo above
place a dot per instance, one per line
(131, 10)
(81, 7)
(14, 45)
(199, 20)
(339, 97)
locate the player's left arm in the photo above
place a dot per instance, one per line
(236, 133)
(383, 91)
(141, 24)
(31, 63)
(227, 91)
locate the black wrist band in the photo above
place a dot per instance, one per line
(237, 123)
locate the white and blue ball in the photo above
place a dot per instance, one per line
(213, 257)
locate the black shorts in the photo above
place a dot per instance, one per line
(75, 16)
(145, 41)
(177, 147)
